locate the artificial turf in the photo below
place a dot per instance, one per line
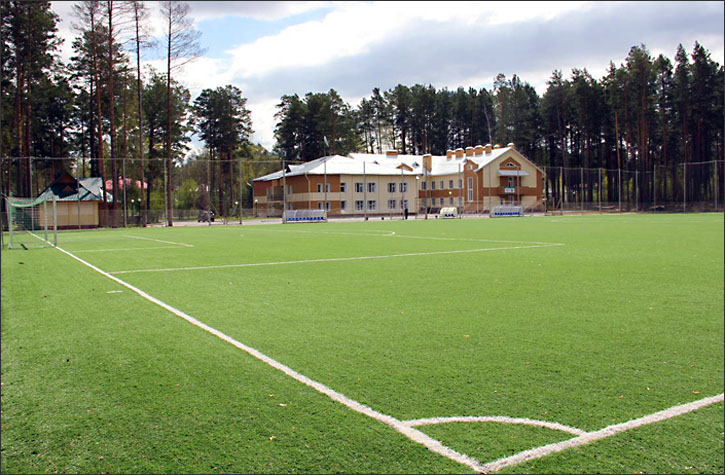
(587, 321)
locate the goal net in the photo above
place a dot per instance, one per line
(305, 216)
(32, 222)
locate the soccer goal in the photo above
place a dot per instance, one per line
(31, 222)
(305, 216)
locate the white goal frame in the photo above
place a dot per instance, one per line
(37, 217)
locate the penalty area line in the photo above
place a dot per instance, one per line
(413, 434)
(333, 259)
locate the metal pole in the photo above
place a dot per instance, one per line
(654, 187)
(636, 191)
(284, 193)
(581, 188)
(166, 194)
(599, 191)
(684, 187)
(125, 208)
(55, 223)
(563, 195)
(716, 185)
(619, 189)
(365, 193)
(241, 190)
(324, 164)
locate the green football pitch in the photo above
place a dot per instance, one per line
(567, 344)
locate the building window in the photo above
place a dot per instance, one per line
(424, 186)
(511, 181)
(470, 166)
(432, 185)
(358, 187)
(343, 205)
(511, 164)
(391, 187)
(405, 203)
(470, 189)
(450, 184)
(443, 185)
(359, 205)
(327, 187)
(391, 204)
(403, 187)
(450, 201)
(372, 205)
(319, 205)
(327, 206)
(371, 187)
(460, 183)
(342, 187)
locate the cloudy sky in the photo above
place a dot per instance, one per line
(269, 49)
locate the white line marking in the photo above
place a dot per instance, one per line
(501, 419)
(400, 426)
(409, 432)
(392, 233)
(115, 292)
(159, 240)
(332, 259)
(127, 249)
(609, 431)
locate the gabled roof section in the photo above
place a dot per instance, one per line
(66, 188)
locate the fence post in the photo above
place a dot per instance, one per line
(636, 191)
(619, 190)
(581, 187)
(654, 187)
(125, 209)
(599, 191)
(684, 187)
(561, 199)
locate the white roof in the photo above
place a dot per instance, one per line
(383, 164)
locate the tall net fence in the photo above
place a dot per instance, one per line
(136, 196)
(688, 187)
(218, 189)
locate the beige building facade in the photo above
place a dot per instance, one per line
(471, 180)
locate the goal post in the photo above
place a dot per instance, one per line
(32, 222)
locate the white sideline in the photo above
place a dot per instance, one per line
(590, 437)
(405, 428)
(332, 259)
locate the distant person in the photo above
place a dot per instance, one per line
(406, 212)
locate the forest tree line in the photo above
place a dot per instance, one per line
(102, 106)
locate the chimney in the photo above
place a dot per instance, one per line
(488, 148)
(449, 154)
(469, 151)
(497, 146)
(427, 158)
(478, 150)
(510, 144)
(391, 153)
(459, 153)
